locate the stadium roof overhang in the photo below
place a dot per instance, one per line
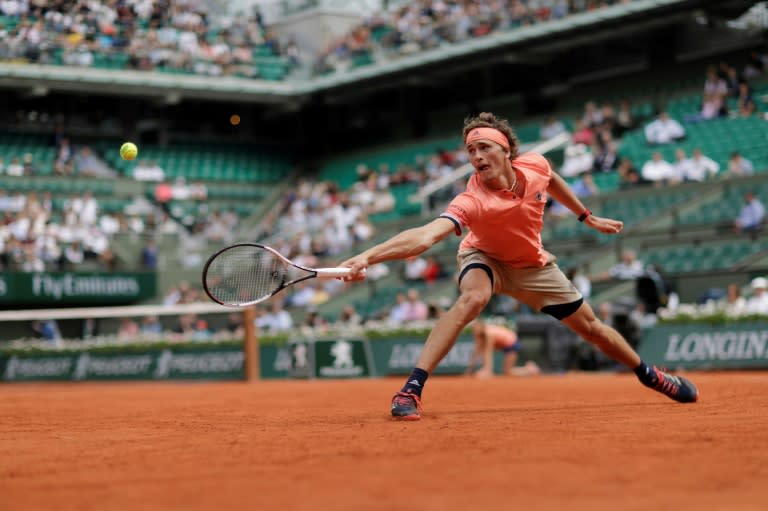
(535, 42)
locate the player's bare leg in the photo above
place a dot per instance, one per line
(510, 360)
(475, 292)
(610, 342)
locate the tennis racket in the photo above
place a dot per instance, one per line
(247, 273)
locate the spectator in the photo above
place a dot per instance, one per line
(701, 167)
(751, 216)
(172, 296)
(664, 130)
(655, 291)
(625, 120)
(148, 171)
(739, 166)
(592, 116)
(149, 255)
(414, 268)
(629, 176)
(682, 166)
(629, 268)
(129, 330)
(657, 170)
(234, 324)
(580, 280)
(349, 318)
(108, 259)
(151, 326)
(48, 329)
(432, 271)
(63, 164)
(745, 104)
(399, 310)
(314, 322)
(32, 262)
(731, 77)
(86, 162)
(585, 186)
(758, 302)
(733, 304)
(416, 309)
(551, 128)
(607, 158)
(73, 256)
(29, 165)
(578, 159)
(582, 133)
(15, 168)
(277, 319)
(713, 100)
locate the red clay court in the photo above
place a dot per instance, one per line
(575, 442)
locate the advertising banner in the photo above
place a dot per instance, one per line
(339, 358)
(65, 288)
(223, 363)
(700, 346)
(398, 356)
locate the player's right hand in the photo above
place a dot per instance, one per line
(358, 265)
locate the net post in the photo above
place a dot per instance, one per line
(250, 345)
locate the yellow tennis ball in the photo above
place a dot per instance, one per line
(129, 151)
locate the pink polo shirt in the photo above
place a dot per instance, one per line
(502, 224)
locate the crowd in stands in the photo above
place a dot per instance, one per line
(597, 134)
(182, 35)
(733, 302)
(47, 231)
(36, 238)
(317, 222)
(422, 25)
(147, 35)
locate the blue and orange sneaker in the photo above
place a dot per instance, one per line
(675, 387)
(406, 406)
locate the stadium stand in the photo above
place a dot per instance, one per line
(187, 39)
(217, 181)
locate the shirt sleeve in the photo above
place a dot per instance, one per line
(463, 210)
(539, 163)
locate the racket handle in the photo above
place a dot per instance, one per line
(331, 273)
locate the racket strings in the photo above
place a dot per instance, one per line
(245, 274)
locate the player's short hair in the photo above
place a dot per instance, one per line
(489, 120)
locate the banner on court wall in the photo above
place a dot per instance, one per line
(698, 346)
(225, 363)
(338, 358)
(398, 356)
(300, 359)
(71, 288)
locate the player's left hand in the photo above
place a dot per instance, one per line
(604, 225)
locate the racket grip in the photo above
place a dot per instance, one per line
(332, 273)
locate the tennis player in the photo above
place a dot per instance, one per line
(502, 212)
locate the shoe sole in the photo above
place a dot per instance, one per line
(406, 417)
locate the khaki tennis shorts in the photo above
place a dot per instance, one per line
(536, 287)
